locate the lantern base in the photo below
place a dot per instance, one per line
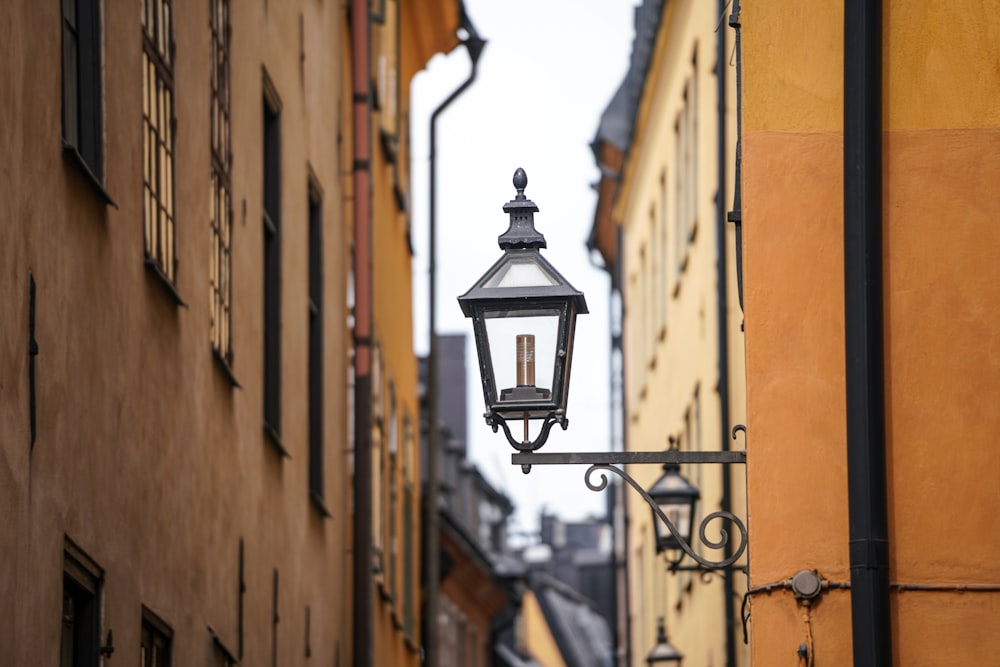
(525, 393)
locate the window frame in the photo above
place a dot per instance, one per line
(154, 628)
(82, 89)
(159, 137)
(82, 573)
(271, 214)
(221, 207)
(315, 369)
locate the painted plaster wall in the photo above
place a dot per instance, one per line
(940, 139)
(538, 639)
(394, 383)
(147, 457)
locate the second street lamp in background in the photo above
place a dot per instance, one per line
(674, 495)
(664, 653)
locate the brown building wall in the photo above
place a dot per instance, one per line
(940, 132)
(147, 457)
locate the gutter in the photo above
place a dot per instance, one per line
(722, 286)
(864, 357)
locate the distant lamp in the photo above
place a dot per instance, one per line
(524, 316)
(676, 497)
(664, 653)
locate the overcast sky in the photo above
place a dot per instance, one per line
(548, 71)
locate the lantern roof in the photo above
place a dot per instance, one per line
(664, 652)
(673, 485)
(521, 273)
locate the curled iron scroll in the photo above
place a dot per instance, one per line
(711, 544)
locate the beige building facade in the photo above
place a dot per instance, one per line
(661, 229)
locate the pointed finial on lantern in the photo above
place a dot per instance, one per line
(520, 183)
(522, 232)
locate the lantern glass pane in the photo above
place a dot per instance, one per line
(530, 362)
(679, 515)
(523, 272)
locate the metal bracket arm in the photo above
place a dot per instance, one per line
(610, 461)
(627, 458)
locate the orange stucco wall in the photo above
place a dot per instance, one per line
(941, 157)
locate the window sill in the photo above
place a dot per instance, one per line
(226, 369)
(74, 155)
(317, 502)
(275, 440)
(165, 282)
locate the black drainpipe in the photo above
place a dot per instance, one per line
(432, 548)
(866, 469)
(723, 333)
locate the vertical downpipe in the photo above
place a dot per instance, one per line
(623, 421)
(432, 555)
(722, 302)
(363, 326)
(866, 469)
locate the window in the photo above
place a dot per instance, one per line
(393, 447)
(680, 212)
(272, 264)
(664, 273)
(691, 158)
(315, 345)
(644, 296)
(221, 205)
(686, 170)
(81, 609)
(154, 647)
(158, 136)
(82, 123)
(377, 471)
(275, 619)
(221, 656)
(408, 546)
(656, 290)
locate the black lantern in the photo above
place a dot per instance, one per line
(664, 653)
(675, 496)
(524, 315)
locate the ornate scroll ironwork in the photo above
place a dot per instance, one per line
(610, 461)
(497, 422)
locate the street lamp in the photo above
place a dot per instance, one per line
(524, 317)
(664, 653)
(675, 497)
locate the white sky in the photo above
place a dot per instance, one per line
(548, 71)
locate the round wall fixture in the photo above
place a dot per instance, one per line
(806, 584)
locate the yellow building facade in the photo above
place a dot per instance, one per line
(936, 372)
(177, 414)
(661, 228)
